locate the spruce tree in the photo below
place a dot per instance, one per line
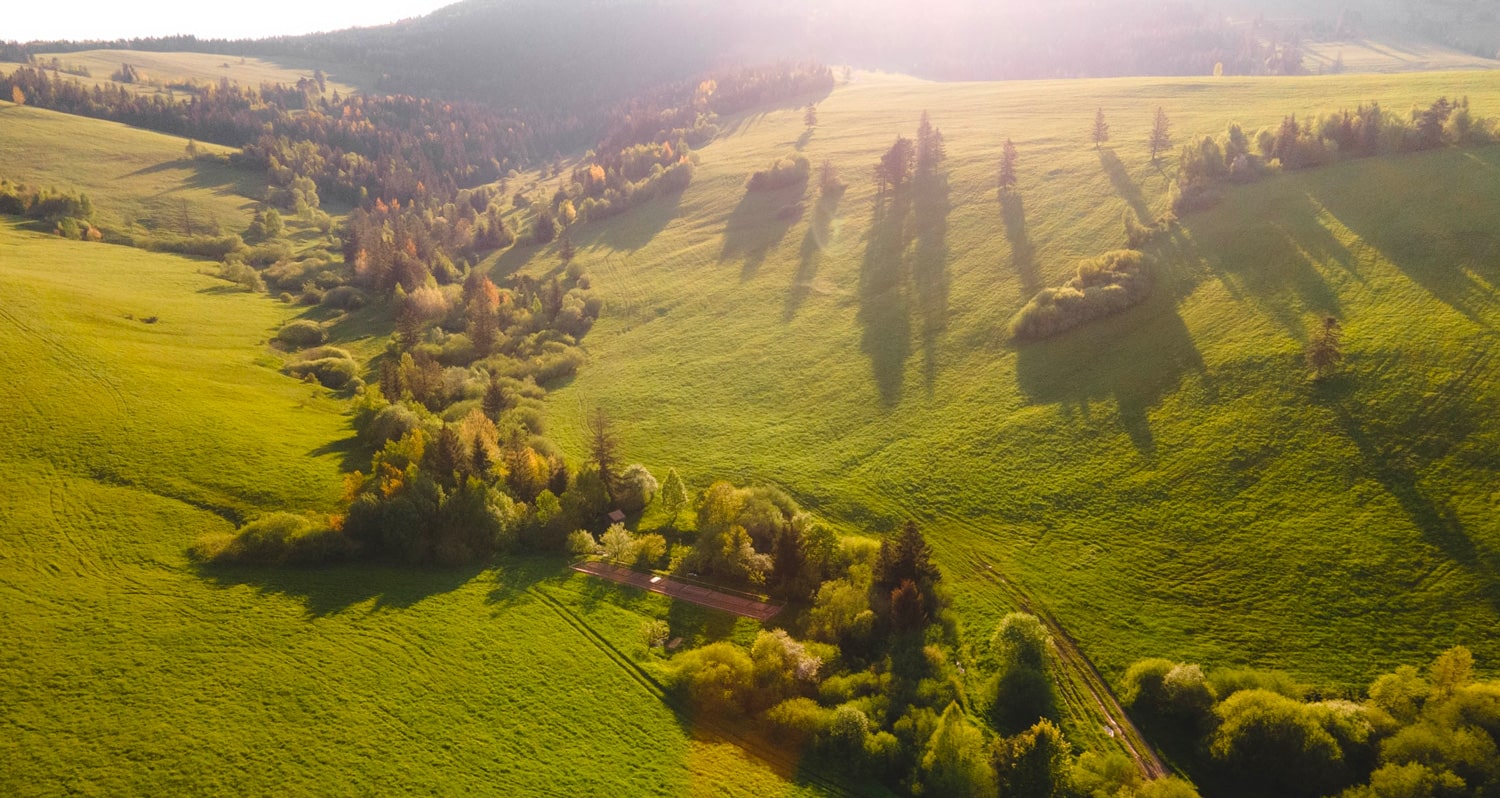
(1008, 157)
(1161, 134)
(1101, 129)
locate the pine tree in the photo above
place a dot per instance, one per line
(787, 561)
(1101, 129)
(1161, 134)
(604, 448)
(1008, 158)
(895, 166)
(447, 459)
(565, 251)
(495, 401)
(1325, 350)
(810, 116)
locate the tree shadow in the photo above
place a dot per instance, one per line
(1396, 451)
(757, 224)
(1134, 358)
(929, 266)
(1022, 253)
(331, 590)
(353, 453)
(820, 234)
(1119, 177)
(802, 140)
(884, 301)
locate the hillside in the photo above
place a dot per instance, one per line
(133, 177)
(1168, 482)
(124, 669)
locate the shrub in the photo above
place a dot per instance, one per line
(1277, 745)
(1104, 285)
(717, 678)
(345, 297)
(301, 334)
(649, 550)
(277, 539)
(330, 372)
(392, 423)
(790, 170)
(581, 543)
(245, 277)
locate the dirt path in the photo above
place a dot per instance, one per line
(1079, 671)
(667, 586)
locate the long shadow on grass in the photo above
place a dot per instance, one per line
(884, 301)
(331, 590)
(1022, 253)
(1119, 177)
(929, 265)
(759, 223)
(1396, 449)
(820, 234)
(1457, 262)
(1134, 359)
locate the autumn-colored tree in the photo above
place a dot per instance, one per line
(482, 307)
(17, 96)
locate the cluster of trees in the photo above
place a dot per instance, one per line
(1432, 733)
(909, 160)
(788, 170)
(67, 214)
(1104, 285)
(1237, 156)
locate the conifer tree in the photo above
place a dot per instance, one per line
(1161, 134)
(1325, 350)
(1008, 157)
(1101, 129)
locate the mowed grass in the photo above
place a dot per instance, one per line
(132, 176)
(125, 670)
(1168, 481)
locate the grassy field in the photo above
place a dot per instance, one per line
(159, 69)
(126, 670)
(132, 176)
(1167, 482)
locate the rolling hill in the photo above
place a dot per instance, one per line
(1168, 481)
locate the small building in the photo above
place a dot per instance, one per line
(616, 517)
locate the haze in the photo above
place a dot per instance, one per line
(104, 20)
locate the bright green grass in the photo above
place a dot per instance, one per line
(132, 176)
(1167, 481)
(126, 671)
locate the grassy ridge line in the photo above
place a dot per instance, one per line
(768, 753)
(203, 68)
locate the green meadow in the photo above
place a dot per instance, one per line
(1168, 482)
(132, 176)
(125, 669)
(160, 69)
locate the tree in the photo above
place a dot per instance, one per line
(1036, 762)
(604, 448)
(930, 150)
(673, 496)
(191, 151)
(956, 763)
(495, 401)
(1161, 134)
(566, 251)
(544, 229)
(810, 116)
(482, 307)
(908, 609)
(635, 488)
(1008, 157)
(1101, 129)
(895, 166)
(17, 96)
(787, 562)
(905, 557)
(448, 461)
(618, 544)
(1325, 350)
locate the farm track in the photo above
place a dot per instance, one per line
(713, 728)
(1079, 671)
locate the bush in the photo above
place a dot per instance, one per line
(301, 334)
(215, 247)
(790, 170)
(392, 423)
(581, 543)
(1105, 285)
(345, 297)
(1277, 745)
(330, 372)
(277, 539)
(245, 277)
(717, 678)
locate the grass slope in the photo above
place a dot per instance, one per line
(132, 176)
(126, 671)
(165, 68)
(1166, 481)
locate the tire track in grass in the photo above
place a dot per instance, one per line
(777, 759)
(1083, 681)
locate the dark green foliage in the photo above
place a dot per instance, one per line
(1021, 691)
(1105, 285)
(905, 558)
(1325, 348)
(1036, 763)
(330, 372)
(895, 167)
(1277, 745)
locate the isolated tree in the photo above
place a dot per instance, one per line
(895, 166)
(544, 229)
(566, 251)
(1101, 129)
(1161, 134)
(1008, 157)
(810, 116)
(673, 495)
(930, 149)
(604, 449)
(1325, 350)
